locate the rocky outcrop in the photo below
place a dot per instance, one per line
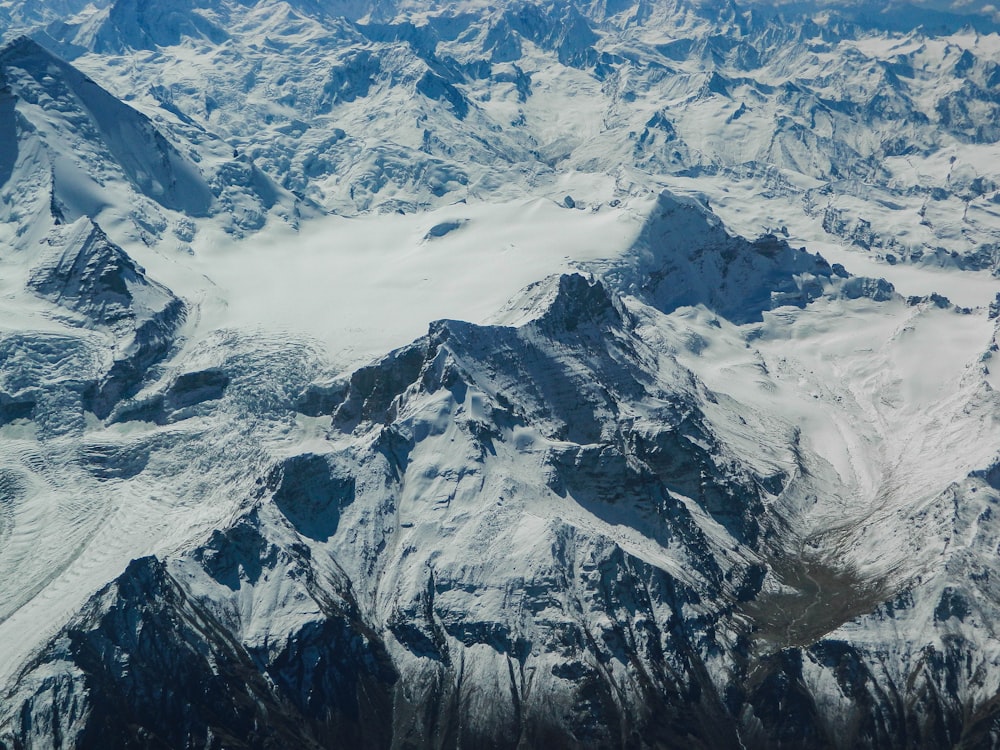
(96, 279)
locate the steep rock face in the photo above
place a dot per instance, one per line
(535, 622)
(129, 140)
(141, 24)
(685, 256)
(71, 150)
(544, 534)
(912, 672)
(220, 691)
(97, 279)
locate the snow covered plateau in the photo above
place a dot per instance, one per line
(510, 374)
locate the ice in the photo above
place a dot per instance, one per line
(646, 439)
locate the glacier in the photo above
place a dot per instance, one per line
(383, 373)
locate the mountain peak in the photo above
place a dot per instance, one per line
(562, 301)
(579, 300)
(23, 47)
(146, 24)
(90, 130)
(97, 279)
(94, 276)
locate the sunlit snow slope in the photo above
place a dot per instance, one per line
(575, 375)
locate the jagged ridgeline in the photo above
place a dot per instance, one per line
(541, 535)
(71, 149)
(841, 123)
(693, 489)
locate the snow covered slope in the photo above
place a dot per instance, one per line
(832, 124)
(397, 374)
(71, 149)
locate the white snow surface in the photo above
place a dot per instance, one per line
(881, 414)
(891, 397)
(343, 282)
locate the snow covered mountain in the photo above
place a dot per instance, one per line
(398, 374)
(843, 133)
(71, 149)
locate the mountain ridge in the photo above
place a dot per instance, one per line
(279, 466)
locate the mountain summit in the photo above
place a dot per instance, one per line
(505, 375)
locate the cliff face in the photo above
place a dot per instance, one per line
(510, 536)
(274, 478)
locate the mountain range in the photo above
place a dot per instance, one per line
(382, 373)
